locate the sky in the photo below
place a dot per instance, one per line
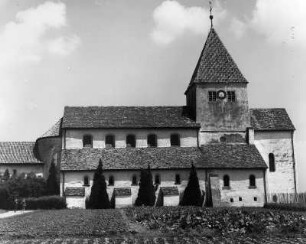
(143, 52)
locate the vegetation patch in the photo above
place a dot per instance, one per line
(64, 223)
(218, 221)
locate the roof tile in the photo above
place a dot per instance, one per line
(270, 119)
(127, 117)
(75, 191)
(18, 153)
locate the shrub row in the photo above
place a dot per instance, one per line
(286, 206)
(47, 202)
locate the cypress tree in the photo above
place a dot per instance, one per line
(98, 197)
(192, 193)
(6, 175)
(52, 183)
(146, 193)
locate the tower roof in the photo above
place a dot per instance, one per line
(215, 64)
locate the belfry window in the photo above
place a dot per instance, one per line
(175, 140)
(130, 141)
(152, 140)
(231, 96)
(226, 181)
(87, 141)
(110, 141)
(212, 96)
(252, 181)
(271, 162)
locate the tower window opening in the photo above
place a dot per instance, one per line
(231, 96)
(212, 96)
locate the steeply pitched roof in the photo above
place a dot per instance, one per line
(75, 191)
(129, 158)
(231, 156)
(209, 156)
(170, 191)
(18, 153)
(271, 119)
(55, 130)
(127, 117)
(215, 63)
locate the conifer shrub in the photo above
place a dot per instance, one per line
(146, 193)
(46, 202)
(6, 175)
(52, 183)
(192, 194)
(98, 197)
(4, 198)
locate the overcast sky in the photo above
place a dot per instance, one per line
(143, 52)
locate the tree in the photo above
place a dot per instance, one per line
(6, 175)
(146, 193)
(98, 197)
(52, 183)
(192, 193)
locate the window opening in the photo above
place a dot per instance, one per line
(130, 141)
(175, 140)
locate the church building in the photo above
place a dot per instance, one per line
(241, 154)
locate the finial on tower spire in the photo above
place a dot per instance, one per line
(211, 16)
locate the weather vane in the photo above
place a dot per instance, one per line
(211, 16)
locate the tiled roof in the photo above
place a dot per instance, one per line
(170, 191)
(270, 119)
(122, 192)
(75, 191)
(209, 156)
(231, 156)
(129, 158)
(127, 117)
(54, 130)
(215, 63)
(17, 153)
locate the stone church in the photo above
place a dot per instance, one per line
(241, 154)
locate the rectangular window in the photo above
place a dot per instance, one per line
(212, 96)
(231, 96)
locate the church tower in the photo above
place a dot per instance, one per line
(217, 95)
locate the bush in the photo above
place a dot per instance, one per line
(286, 206)
(52, 183)
(146, 192)
(4, 198)
(98, 197)
(46, 202)
(192, 194)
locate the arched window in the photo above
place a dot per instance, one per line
(177, 179)
(86, 180)
(175, 140)
(111, 181)
(110, 141)
(271, 162)
(87, 141)
(134, 180)
(152, 140)
(157, 180)
(130, 141)
(226, 181)
(252, 181)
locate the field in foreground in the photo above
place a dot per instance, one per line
(155, 225)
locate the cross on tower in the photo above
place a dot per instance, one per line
(211, 16)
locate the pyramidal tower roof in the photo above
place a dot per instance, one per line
(216, 64)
